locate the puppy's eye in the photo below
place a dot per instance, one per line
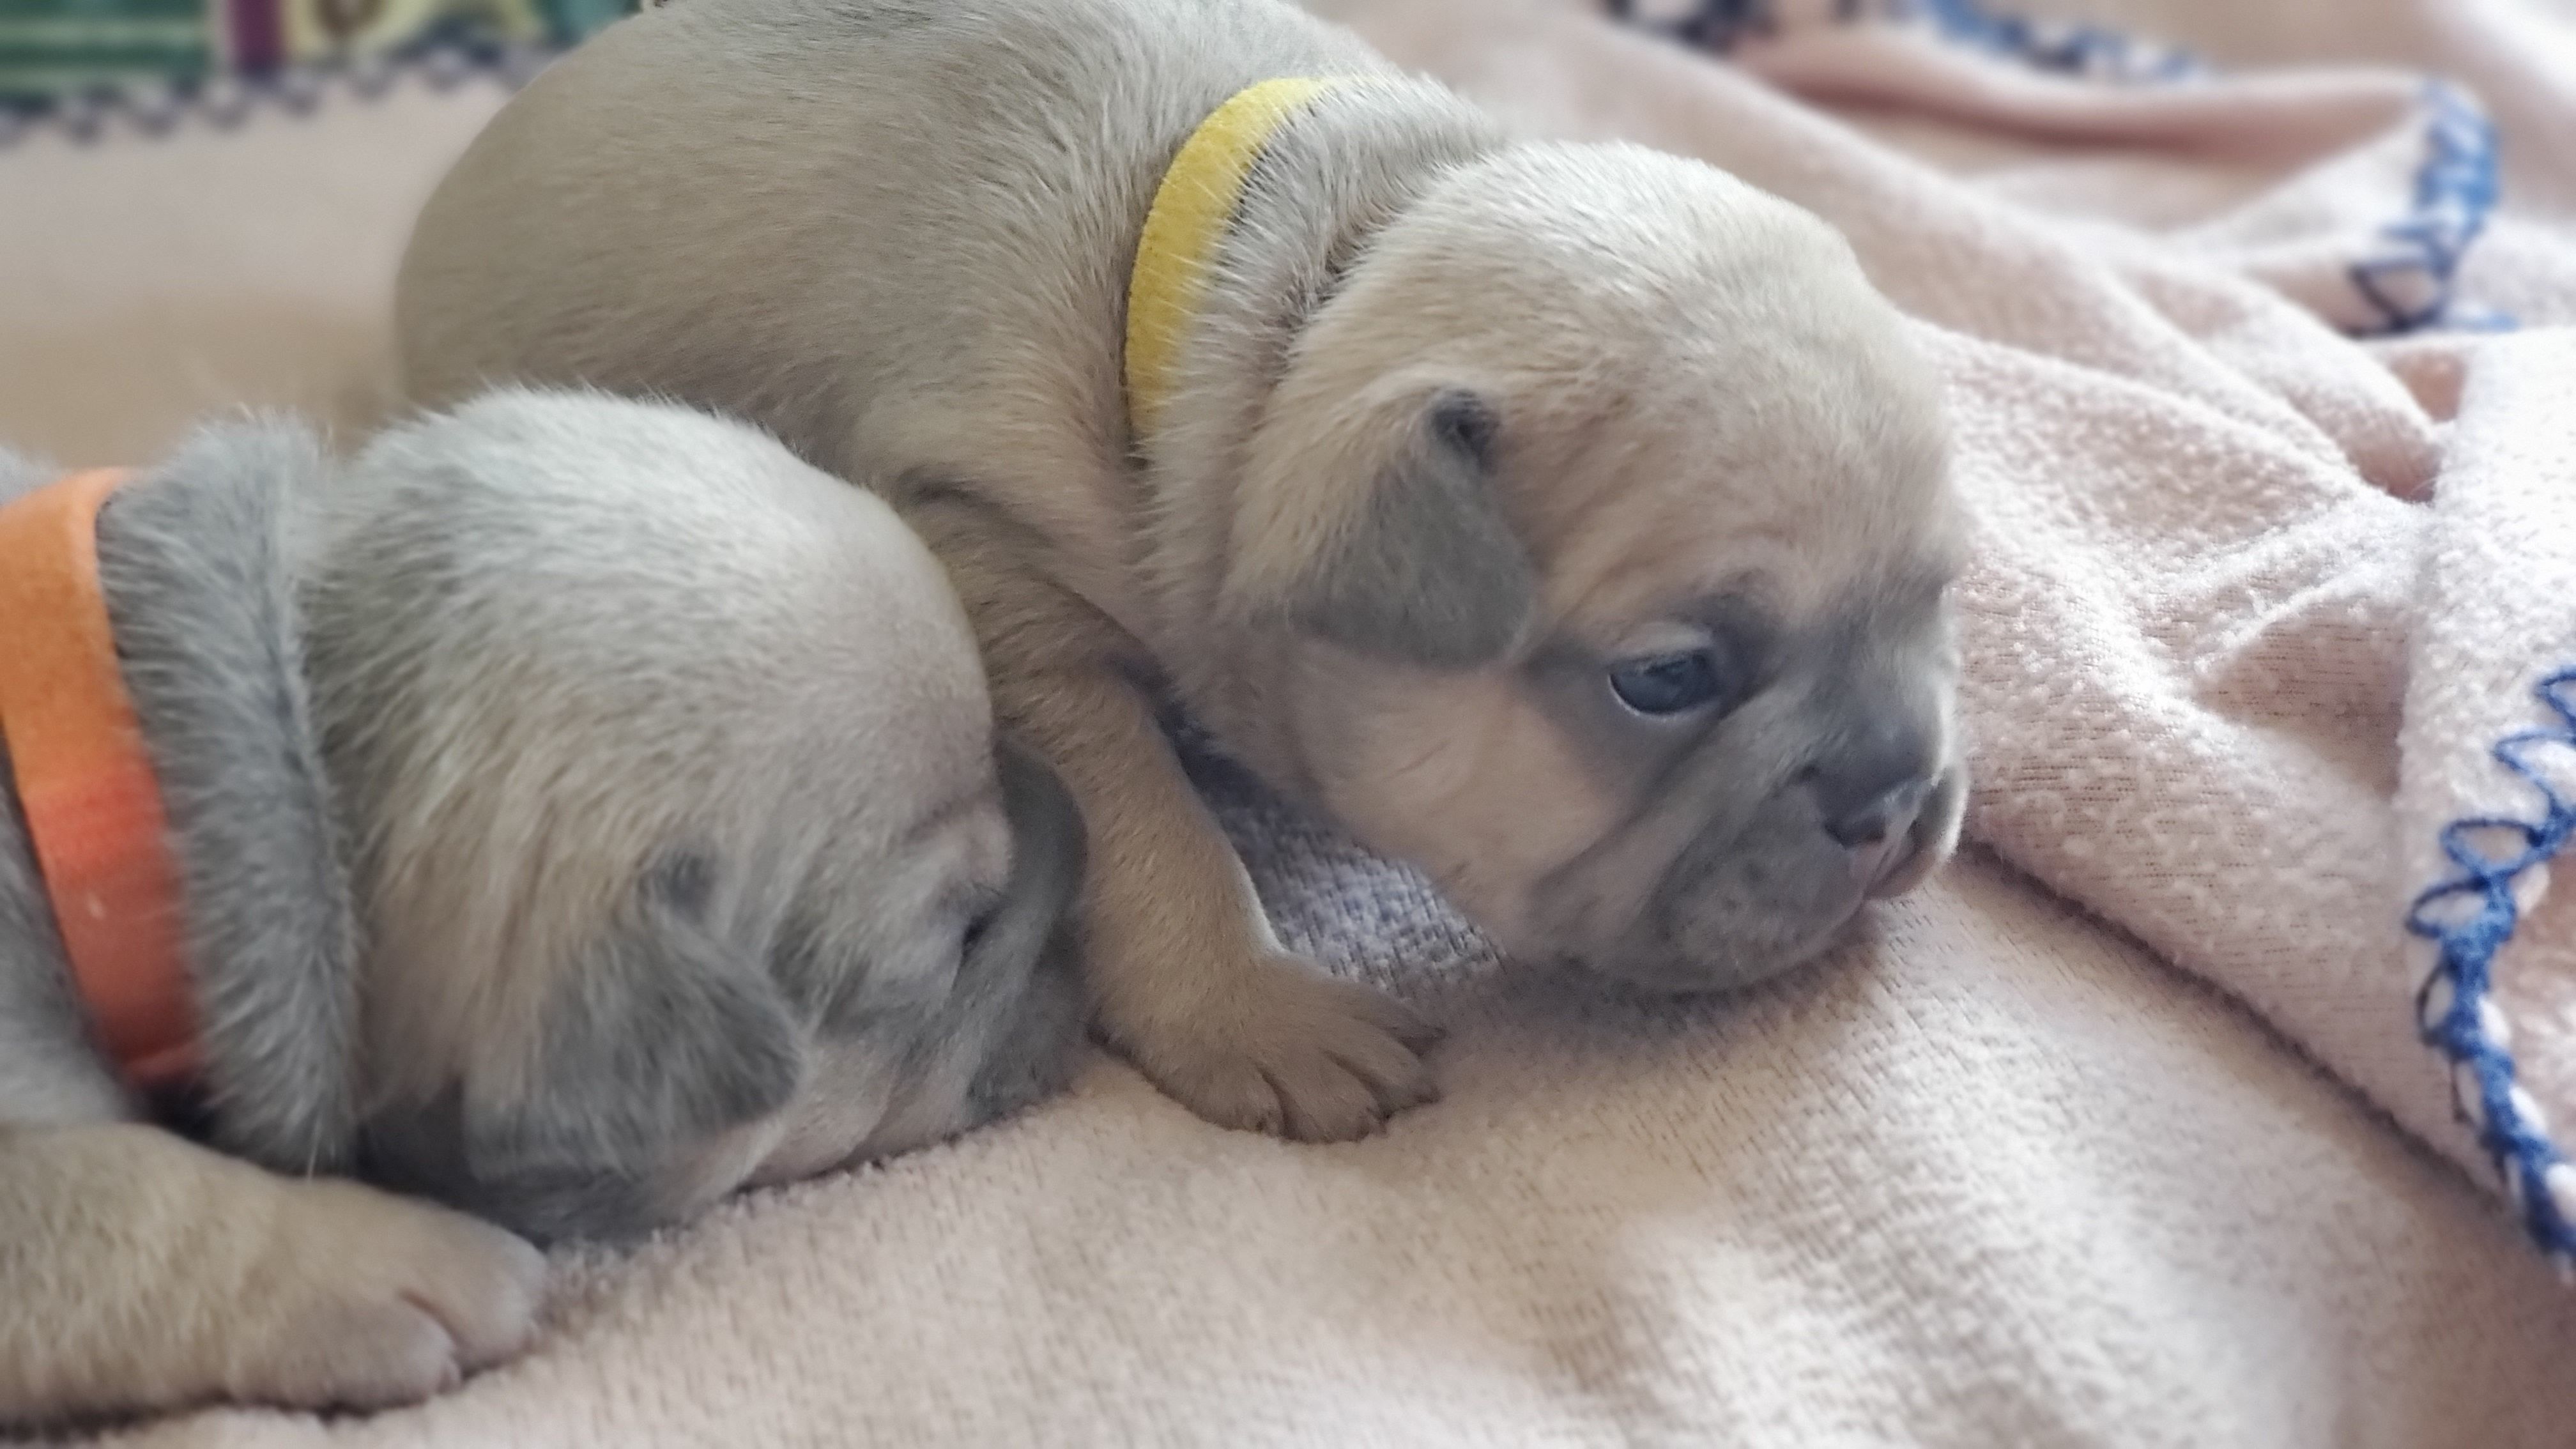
(977, 926)
(1668, 684)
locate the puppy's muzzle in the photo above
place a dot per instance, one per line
(1869, 805)
(1765, 884)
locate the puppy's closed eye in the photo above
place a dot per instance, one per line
(684, 880)
(979, 914)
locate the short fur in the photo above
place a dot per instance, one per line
(1464, 421)
(659, 771)
(202, 605)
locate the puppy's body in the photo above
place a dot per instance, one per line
(582, 809)
(1465, 427)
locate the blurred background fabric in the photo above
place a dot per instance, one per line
(76, 61)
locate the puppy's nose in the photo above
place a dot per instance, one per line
(1867, 802)
(1880, 832)
(1880, 818)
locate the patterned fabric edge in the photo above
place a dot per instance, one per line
(223, 102)
(2411, 279)
(2407, 279)
(2454, 1011)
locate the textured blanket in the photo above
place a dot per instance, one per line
(2263, 414)
(2264, 380)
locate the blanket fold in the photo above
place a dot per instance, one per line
(2262, 384)
(2487, 796)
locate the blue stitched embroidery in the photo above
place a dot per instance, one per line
(2451, 1010)
(1708, 24)
(2063, 48)
(2409, 280)
(2071, 49)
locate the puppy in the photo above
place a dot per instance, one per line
(1572, 521)
(573, 810)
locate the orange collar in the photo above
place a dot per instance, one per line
(93, 807)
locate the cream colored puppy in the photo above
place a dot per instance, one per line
(1571, 520)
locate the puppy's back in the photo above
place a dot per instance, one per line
(810, 211)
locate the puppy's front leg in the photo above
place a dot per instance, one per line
(1186, 977)
(140, 1272)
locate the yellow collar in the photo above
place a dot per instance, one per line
(1191, 209)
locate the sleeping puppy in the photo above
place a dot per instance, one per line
(573, 810)
(1572, 521)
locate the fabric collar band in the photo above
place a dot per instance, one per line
(92, 804)
(1192, 208)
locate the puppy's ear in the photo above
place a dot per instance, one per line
(662, 1036)
(658, 1039)
(1427, 570)
(1022, 957)
(1048, 857)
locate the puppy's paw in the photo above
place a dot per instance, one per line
(367, 1301)
(1294, 1052)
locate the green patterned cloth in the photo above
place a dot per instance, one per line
(51, 46)
(53, 51)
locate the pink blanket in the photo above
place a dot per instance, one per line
(2266, 397)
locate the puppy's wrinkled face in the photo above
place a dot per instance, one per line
(711, 1040)
(1662, 679)
(918, 1036)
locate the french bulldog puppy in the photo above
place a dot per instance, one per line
(579, 809)
(1572, 521)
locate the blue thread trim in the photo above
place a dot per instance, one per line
(2462, 318)
(2091, 51)
(1714, 25)
(2409, 277)
(2465, 961)
(2067, 49)
(2455, 192)
(223, 101)
(2060, 48)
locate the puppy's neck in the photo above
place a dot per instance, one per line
(193, 567)
(1323, 186)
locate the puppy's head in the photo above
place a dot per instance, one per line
(687, 1052)
(1624, 614)
(684, 849)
